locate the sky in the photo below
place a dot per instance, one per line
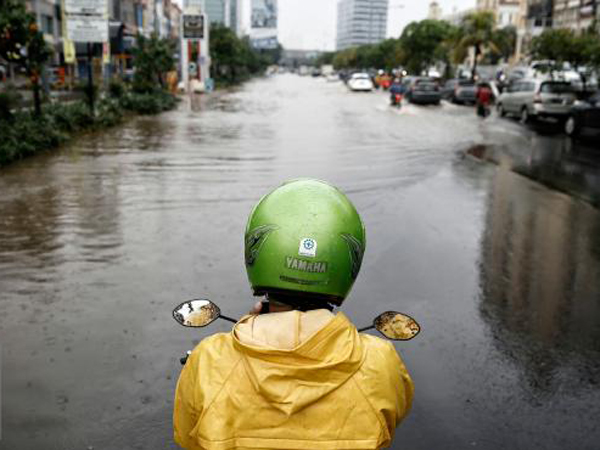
(311, 24)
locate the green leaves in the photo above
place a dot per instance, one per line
(562, 45)
(233, 59)
(153, 57)
(20, 40)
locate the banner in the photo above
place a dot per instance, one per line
(264, 14)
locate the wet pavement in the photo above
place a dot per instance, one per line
(488, 233)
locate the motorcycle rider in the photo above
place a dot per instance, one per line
(397, 88)
(299, 376)
(483, 99)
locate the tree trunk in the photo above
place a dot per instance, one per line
(474, 71)
(36, 96)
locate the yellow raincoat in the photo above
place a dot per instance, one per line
(291, 380)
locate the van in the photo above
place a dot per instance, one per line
(531, 99)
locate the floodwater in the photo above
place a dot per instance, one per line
(488, 233)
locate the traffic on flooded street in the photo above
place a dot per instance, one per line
(485, 231)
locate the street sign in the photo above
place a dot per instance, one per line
(95, 7)
(193, 26)
(87, 28)
(87, 20)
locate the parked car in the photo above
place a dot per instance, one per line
(360, 82)
(532, 98)
(422, 90)
(460, 91)
(584, 117)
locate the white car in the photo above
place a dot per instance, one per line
(360, 82)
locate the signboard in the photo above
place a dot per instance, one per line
(264, 14)
(87, 20)
(193, 26)
(266, 43)
(95, 7)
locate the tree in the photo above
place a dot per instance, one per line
(478, 33)
(234, 59)
(564, 46)
(420, 43)
(505, 40)
(22, 43)
(153, 57)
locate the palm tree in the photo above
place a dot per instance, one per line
(477, 31)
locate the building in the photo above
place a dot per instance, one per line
(435, 11)
(577, 15)
(361, 22)
(539, 17)
(456, 17)
(225, 12)
(506, 11)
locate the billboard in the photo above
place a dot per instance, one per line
(264, 14)
(193, 26)
(87, 20)
(267, 43)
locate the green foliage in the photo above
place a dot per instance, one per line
(153, 57)
(26, 134)
(387, 54)
(116, 89)
(22, 43)
(9, 100)
(421, 43)
(147, 103)
(563, 45)
(233, 59)
(505, 42)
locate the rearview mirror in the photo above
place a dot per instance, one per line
(396, 326)
(196, 313)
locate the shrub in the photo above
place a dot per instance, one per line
(116, 89)
(26, 134)
(148, 103)
(9, 100)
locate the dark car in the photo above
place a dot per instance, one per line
(584, 117)
(423, 90)
(460, 91)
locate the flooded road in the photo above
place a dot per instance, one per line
(488, 233)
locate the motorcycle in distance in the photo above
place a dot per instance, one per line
(199, 313)
(396, 100)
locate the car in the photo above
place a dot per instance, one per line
(360, 82)
(460, 91)
(532, 98)
(422, 90)
(584, 117)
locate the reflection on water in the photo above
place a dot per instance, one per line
(540, 272)
(558, 163)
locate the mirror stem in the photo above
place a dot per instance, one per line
(228, 319)
(370, 327)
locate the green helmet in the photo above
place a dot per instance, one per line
(306, 240)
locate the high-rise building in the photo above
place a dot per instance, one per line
(361, 22)
(224, 12)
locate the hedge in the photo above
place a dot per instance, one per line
(24, 134)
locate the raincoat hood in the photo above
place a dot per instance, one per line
(295, 359)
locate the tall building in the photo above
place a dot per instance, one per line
(361, 22)
(224, 12)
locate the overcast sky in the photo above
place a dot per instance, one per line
(311, 24)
